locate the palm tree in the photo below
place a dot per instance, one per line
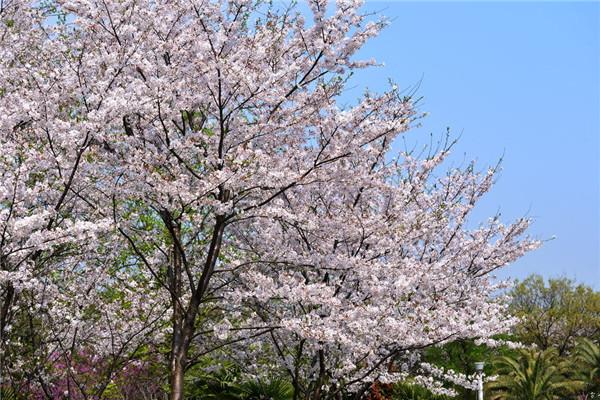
(275, 389)
(587, 358)
(224, 385)
(533, 376)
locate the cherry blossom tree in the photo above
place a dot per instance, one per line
(205, 146)
(58, 262)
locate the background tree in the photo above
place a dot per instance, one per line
(556, 313)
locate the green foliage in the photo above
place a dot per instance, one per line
(553, 315)
(274, 389)
(540, 375)
(461, 355)
(219, 384)
(408, 391)
(7, 393)
(226, 384)
(587, 358)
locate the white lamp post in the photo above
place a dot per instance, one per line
(479, 371)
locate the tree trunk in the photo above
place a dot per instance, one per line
(184, 319)
(183, 331)
(177, 366)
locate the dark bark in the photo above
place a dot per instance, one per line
(184, 320)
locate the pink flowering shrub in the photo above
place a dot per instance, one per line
(85, 376)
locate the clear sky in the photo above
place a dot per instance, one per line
(516, 79)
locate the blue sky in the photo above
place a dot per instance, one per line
(515, 79)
